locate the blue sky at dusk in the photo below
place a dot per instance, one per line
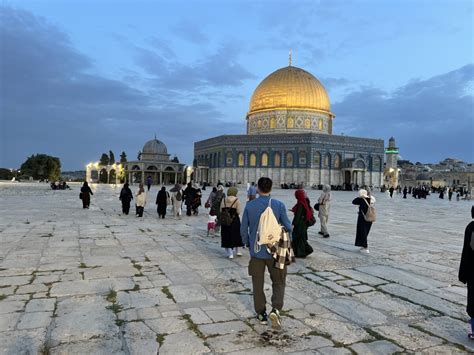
(82, 77)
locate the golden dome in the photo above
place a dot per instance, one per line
(289, 88)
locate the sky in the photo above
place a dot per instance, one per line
(79, 78)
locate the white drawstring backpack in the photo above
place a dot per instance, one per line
(269, 230)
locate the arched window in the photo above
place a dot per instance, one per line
(273, 122)
(290, 123)
(276, 160)
(317, 159)
(337, 161)
(264, 159)
(289, 159)
(252, 159)
(241, 159)
(320, 124)
(307, 123)
(229, 158)
(302, 157)
(327, 159)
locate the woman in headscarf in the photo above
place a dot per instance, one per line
(196, 202)
(177, 200)
(363, 227)
(216, 205)
(188, 197)
(211, 197)
(162, 202)
(86, 193)
(230, 233)
(466, 270)
(126, 196)
(303, 215)
(324, 202)
(140, 200)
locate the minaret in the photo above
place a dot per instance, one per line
(391, 154)
(391, 170)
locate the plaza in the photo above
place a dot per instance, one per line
(94, 281)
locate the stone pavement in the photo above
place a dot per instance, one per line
(93, 281)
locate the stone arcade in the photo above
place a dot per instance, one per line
(289, 138)
(154, 161)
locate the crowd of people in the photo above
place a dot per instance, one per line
(246, 226)
(422, 191)
(59, 185)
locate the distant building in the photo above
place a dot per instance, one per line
(154, 161)
(73, 175)
(290, 139)
(449, 172)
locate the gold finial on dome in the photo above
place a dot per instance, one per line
(289, 59)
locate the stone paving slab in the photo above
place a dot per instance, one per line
(379, 347)
(93, 281)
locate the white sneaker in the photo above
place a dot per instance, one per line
(231, 256)
(364, 251)
(239, 253)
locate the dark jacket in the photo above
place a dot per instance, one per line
(363, 207)
(188, 195)
(162, 197)
(466, 269)
(126, 194)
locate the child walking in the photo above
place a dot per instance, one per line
(211, 224)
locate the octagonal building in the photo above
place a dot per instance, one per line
(289, 139)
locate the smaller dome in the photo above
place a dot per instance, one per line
(154, 147)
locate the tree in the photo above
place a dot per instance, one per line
(104, 159)
(139, 154)
(111, 157)
(6, 174)
(175, 159)
(42, 166)
(123, 158)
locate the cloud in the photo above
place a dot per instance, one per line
(190, 31)
(431, 119)
(55, 103)
(330, 83)
(220, 69)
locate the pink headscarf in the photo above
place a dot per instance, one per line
(301, 199)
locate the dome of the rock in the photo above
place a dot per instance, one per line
(290, 88)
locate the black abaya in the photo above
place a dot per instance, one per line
(363, 227)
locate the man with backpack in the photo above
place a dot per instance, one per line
(260, 257)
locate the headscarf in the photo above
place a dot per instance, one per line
(176, 188)
(85, 184)
(162, 196)
(125, 185)
(232, 191)
(363, 193)
(220, 188)
(141, 189)
(326, 195)
(301, 199)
